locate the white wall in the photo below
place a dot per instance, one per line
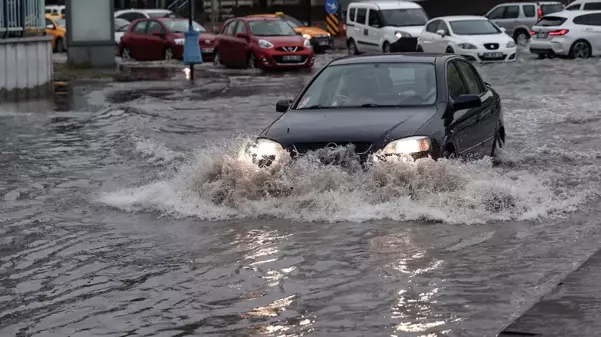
(25, 67)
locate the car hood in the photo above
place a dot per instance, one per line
(293, 40)
(313, 31)
(347, 125)
(415, 31)
(502, 39)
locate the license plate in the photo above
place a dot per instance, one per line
(493, 54)
(323, 43)
(207, 50)
(541, 35)
(291, 58)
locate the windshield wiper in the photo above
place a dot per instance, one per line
(318, 106)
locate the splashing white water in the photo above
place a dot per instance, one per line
(216, 185)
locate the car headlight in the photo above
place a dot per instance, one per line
(467, 46)
(179, 41)
(510, 44)
(265, 44)
(329, 35)
(264, 148)
(307, 36)
(409, 145)
(401, 34)
(307, 43)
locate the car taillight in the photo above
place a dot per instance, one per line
(540, 13)
(558, 32)
(532, 32)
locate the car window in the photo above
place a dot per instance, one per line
(154, 27)
(595, 19)
(120, 23)
(373, 18)
(443, 25)
(361, 15)
(403, 17)
(551, 8)
(241, 28)
(161, 14)
(512, 12)
(592, 6)
(122, 29)
(471, 78)
(582, 19)
(529, 11)
(497, 13)
(140, 27)
(351, 15)
(573, 7)
(385, 84)
(552, 21)
(182, 26)
(432, 27)
(455, 83)
(231, 28)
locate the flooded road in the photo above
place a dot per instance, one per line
(125, 213)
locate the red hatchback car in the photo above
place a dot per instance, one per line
(265, 43)
(162, 39)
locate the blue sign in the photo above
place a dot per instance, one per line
(192, 53)
(331, 6)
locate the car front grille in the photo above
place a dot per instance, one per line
(302, 148)
(290, 49)
(491, 46)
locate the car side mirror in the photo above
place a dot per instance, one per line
(467, 102)
(242, 35)
(283, 105)
(440, 32)
(49, 26)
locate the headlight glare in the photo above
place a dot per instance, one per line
(265, 44)
(467, 46)
(307, 43)
(409, 145)
(307, 36)
(264, 147)
(510, 44)
(401, 34)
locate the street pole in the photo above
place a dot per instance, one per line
(214, 14)
(190, 19)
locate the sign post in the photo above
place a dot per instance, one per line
(192, 54)
(332, 18)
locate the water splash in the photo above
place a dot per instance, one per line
(214, 184)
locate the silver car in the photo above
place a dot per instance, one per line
(518, 17)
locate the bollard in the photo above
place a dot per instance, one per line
(192, 54)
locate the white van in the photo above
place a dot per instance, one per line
(372, 26)
(585, 5)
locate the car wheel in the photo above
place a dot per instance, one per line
(252, 61)
(216, 58)
(580, 50)
(521, 38)
(450, 50)
(352, 48)
(420, 49)
(60, 46)
(386, 47)
(168, 54)
(126, 54)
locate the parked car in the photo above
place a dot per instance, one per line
(586, 5)
(375, 25)
(57, 28)
(162, 39)
(121, 26)
(134, 14)
(387, 106)
(576, 34)
(319, 38)
(474, 37)
(265, 43)
(56, 11)
(518, 17)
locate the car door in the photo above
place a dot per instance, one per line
(362, 32)
(441, 43)
(136, 40)
(591, 24)
(497, 14)
(155, 43)
(509, 19)
(226, 43)
(373, 29)
(462, 124)
(428, 37)
(489, 112)
(240, 46)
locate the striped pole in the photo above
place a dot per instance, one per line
(332, 24)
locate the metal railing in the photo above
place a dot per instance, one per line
(19, 18)
(177, 5)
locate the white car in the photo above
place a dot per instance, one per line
(576, 34)
(585, 5)
(135, 14)
(474, 37)
(121, 26)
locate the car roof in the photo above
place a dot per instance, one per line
(388, 4)
(258, 18)
(144, 10)
(531, 3)
(460, 17)
(411, 57)
(576, 2)
(572, 14)
(262, 16)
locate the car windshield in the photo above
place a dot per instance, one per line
(181, 26)
(271, 28)
(474, 27)
(404, 17)
(120, 23)
(61, 22)
(293, 22)
(165, 14)
(371, 85)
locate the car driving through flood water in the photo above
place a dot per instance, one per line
(411, 106)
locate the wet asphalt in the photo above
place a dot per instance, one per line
(125, 212)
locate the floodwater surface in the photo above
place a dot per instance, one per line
(129, 214)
